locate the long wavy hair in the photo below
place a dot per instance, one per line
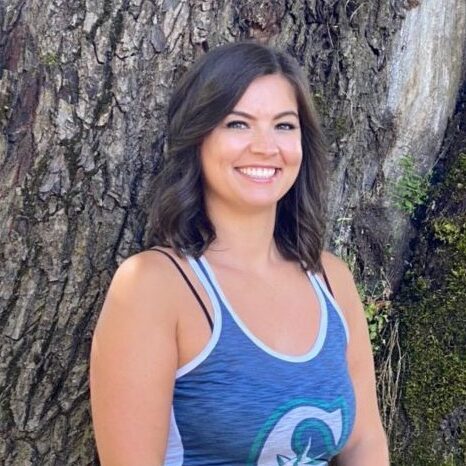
(206, 94)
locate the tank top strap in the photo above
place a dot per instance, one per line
(188, 282)
(333, 305)
(199, 268)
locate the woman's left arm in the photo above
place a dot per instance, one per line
(367, 445)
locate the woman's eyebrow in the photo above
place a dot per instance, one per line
(276, 117)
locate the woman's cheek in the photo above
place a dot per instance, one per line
(294, 152)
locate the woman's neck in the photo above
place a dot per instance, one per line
(244, 239)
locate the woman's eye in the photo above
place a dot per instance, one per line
(286, 126)
(237, 124)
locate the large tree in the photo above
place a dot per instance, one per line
(83, 92)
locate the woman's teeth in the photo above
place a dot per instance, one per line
(255, 172)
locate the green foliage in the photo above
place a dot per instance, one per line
(49, 59)
(375, 300)
(377, 308)
(451, 233)
(410, 191)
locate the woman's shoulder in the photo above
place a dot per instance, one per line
(343, 285)
(141, 269)
(335, 267)
(145, 282)
(149, 265)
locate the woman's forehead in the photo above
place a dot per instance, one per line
(268, 94)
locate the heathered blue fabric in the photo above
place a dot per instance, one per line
(244, 406)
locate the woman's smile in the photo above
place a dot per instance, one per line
(259, 174)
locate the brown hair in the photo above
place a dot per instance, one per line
(206, 94)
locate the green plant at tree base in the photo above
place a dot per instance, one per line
(375, 300)
(410, 191)
(377, 308)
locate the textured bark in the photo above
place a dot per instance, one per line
(431, 311)
(83, 90)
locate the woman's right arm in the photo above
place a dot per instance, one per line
(133, 365)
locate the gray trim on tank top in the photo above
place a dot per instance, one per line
(323, 321)
(217, 320)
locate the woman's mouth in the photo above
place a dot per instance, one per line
(259, 173)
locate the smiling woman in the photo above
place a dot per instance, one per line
(256, 362)
(215, 95)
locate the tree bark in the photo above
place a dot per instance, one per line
(83, 91)
(430, 430)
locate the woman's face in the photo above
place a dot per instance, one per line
(252, 158)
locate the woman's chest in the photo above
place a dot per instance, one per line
(235, 411)
(283, 311)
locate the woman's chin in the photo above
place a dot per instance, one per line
(258, 203)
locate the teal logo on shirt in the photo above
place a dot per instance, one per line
(301, 432)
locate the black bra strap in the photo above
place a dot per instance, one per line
(327, 282)
(186, 279)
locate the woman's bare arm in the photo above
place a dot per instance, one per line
(367, 445)
(133, 364)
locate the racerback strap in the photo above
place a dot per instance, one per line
(327, 282)
(188, 282)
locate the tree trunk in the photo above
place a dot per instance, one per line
(430, 307)
(83, 92)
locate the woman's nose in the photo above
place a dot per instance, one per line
(263, 142)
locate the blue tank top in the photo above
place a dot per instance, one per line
(241, 403)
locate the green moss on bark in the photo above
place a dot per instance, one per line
(433, 331)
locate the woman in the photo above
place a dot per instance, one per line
(254, 362)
